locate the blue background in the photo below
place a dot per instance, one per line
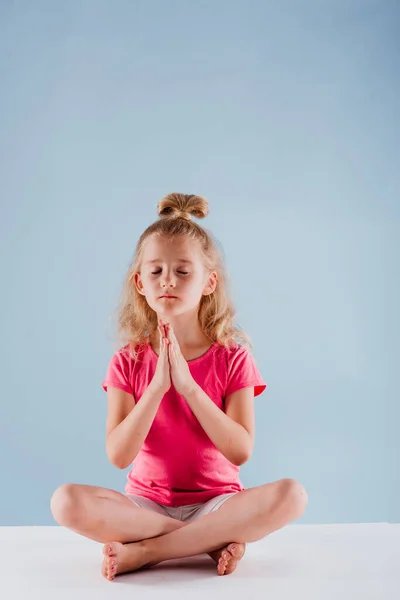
(286, 117)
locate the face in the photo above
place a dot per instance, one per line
(173, 277)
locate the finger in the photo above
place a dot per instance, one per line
(166, 336)
(171, 352)
(162, 343)
(174, 341)
(161, 328)
(170, 331)
(166, 346)
(166, 326)
(163, 340)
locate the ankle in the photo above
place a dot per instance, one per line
(148, 548)
(146, 551)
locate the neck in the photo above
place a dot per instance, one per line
(187, 330)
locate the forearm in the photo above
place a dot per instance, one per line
(125, 441)
(231, 439)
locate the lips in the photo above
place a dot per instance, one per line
(167, 296)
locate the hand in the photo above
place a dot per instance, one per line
(161, 381)
(180, 374)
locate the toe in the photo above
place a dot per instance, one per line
(221, 568)
(112, 549)
(109, 567)
(231, 566)
(237, 550)
(104, 568)
(111, 571)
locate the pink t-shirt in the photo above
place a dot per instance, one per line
(178, 463)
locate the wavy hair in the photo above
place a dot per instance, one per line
(137, 321)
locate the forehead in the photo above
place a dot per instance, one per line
(159, 248)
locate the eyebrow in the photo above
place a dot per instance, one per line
(181, 260)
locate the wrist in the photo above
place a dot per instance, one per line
(190, 389)
(156, 391)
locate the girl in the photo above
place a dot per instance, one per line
(180, 406)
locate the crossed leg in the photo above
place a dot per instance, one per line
(246, 517)
(102, 514)
(142, 538)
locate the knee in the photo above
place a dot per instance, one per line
(294, 497)
(64, 504)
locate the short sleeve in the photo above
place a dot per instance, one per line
(118, 373)
(243, 372)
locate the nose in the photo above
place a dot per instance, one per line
(171, 283)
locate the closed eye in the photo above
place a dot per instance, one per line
(181, 272)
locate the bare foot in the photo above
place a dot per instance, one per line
(227, 558)
(125, 558)
(122, 558)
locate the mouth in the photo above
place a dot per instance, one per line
(168, 297)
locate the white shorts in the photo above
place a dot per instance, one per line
(187, 512)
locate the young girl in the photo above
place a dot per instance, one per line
(181, 408)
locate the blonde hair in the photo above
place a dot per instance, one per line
(137, 321)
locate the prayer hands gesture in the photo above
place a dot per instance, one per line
(171, 365)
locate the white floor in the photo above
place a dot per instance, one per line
(323, 562)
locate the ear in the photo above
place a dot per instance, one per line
(211, 284)
(138, 283)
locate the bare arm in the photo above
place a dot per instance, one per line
(128, 423)
(231, 432)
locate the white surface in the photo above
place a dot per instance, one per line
(323, 562)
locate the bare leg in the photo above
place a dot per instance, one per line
(103, 514)
(246, 517)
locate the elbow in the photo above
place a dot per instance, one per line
(240, 459)
(241, 453)
(120, 465)
(116, 461)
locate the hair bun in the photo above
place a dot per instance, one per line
(182, 206)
